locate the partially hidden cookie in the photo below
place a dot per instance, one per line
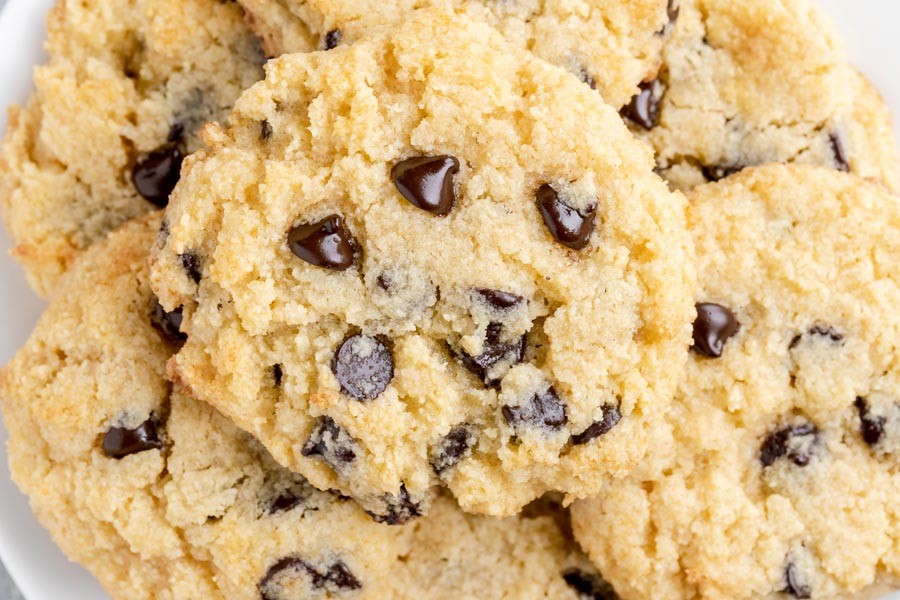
(610, 45)
(750, 83)
(408, 264)
(159, 496)
(777, 475)
(115, 109)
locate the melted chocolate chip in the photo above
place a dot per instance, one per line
(326, 243)
(589, 586)
(277, 374)
(332, 39)
(795, 442)
(452, 449)
(796, 583)
(841, 161)
(280, 580)
(427, 182)
(714, 325)
(363, 366)
(330, 441)
(191, 264)
(399, 509)
(717, 172)
(493, 353)
(571, 228)
(119, 442)
(820, 331)
(611, 418)
(544, 409)
(499, 300)
(284, 502)
(265, 130)
(643, 108)
(168, 323)
(155, 176)
(871, 427)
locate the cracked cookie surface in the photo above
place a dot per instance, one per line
(776, 474)
(115, 109)
(408, 265)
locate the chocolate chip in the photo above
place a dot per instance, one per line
(494, 352)
(332, 442)
(285, 576)
(544, 409)
(796, 442)
(499, 300)
(452, 449)
(277, 374)
(265, 130)
(427, 182)
(820, 331)
(589, 586)
(714, 325)
(672, 10)
(717, 172)
(643, 108)
(363, 366)
(191, 264)
(841, 161)
(399, 509)
(586, 77)
(796, 583)
(285, 494)
(326, 243)
(283, 503)
(871, 427)
(168, 323)
(611, 418)
(570, 227)
(119, 442)
(156, 176)
(332, 39)
(384, 281)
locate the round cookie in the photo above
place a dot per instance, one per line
(407, 265)
(777, 473)
(159, 496)
(115, 109)
(750, 83)
(610, 45)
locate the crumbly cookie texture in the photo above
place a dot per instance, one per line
(610, 45)
(776, 475)
(408, 264)
(157, 494)
(115, 109)
(749, 83)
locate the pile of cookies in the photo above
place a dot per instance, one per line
(569, 299)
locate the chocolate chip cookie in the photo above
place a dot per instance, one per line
(115, 110)
(749, 83)
(610, 45)
(408, 264)
(777, 474)
(157, 494)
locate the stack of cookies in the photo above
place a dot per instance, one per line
(567, 299)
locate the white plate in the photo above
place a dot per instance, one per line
(40, 569)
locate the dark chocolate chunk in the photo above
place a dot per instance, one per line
(191, 264)
(589, 586)
(119, 442)
(277, 374)
(332, 442)
(427, 182)
(714, 325)
(797, 586)
(326, 243)
(499, 300)
(156, 176)
(795, 442)
(611, 418)
(871, 427)
(544, 409)
(265, 130)
(399, 509)
(363, 366)
(643, 108)
(279, 582)
(332, 39)
(494, 352)
(168, 323)
(569, 227)
(841, 161)
(717, 172)
(452, 449)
